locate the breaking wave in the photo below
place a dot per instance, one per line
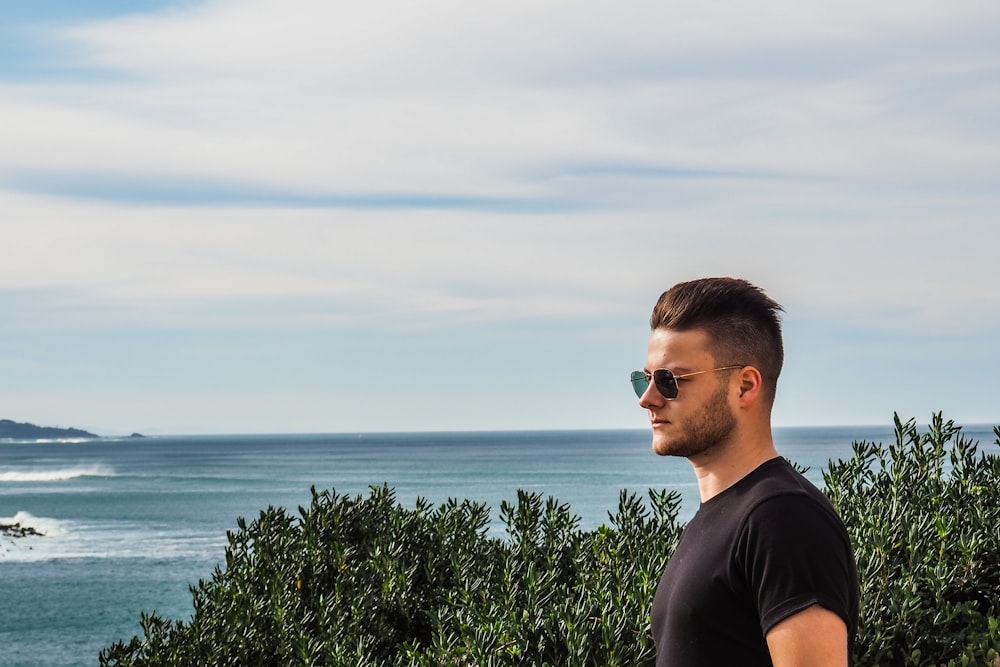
(43, 525)
(56, 475)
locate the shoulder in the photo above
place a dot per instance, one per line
(786, 519)
(782, 501)
(797, 518)
(776, 484)
(773, 502)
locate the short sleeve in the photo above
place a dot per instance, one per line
(794, 553)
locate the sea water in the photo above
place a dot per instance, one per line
(129, 523)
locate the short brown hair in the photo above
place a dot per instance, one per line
(741, 321)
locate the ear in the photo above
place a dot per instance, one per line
(751, 386)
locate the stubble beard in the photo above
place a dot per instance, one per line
(706, 431)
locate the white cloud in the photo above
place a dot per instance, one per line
(817, 250)
(400, 43)
(446, 97)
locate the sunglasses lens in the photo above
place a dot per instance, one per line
(639, 383)
(666, 384)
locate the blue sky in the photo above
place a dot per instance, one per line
(253, 216)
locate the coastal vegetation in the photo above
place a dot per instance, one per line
(363, 580)
(13, 430)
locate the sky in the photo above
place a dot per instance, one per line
(263, 216)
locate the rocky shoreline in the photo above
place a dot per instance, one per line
(17, 530)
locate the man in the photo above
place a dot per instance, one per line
(764, 573)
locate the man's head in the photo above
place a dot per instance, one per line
(740, 320)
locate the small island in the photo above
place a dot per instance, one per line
(12, 430)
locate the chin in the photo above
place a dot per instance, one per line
(682, 448)
(661, 448)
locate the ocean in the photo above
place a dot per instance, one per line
(130, 523)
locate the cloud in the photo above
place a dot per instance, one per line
(390, 100)
(495, 43)
(235, 266)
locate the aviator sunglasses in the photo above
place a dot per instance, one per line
(665, 380)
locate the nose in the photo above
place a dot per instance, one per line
(651, 397)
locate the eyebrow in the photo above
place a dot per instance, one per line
(676, 370)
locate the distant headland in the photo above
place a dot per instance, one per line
(23, 431)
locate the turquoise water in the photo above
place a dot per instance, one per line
(129, 524)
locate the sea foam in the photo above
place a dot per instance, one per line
(56, 474)
(45, 526)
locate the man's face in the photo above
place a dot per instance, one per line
(700, 418)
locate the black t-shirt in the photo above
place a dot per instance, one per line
(764, 549)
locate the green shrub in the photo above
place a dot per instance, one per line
(924, 518)
(364, 581)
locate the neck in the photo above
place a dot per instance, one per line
(722, 466)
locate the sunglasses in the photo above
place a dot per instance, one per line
(665, 380)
